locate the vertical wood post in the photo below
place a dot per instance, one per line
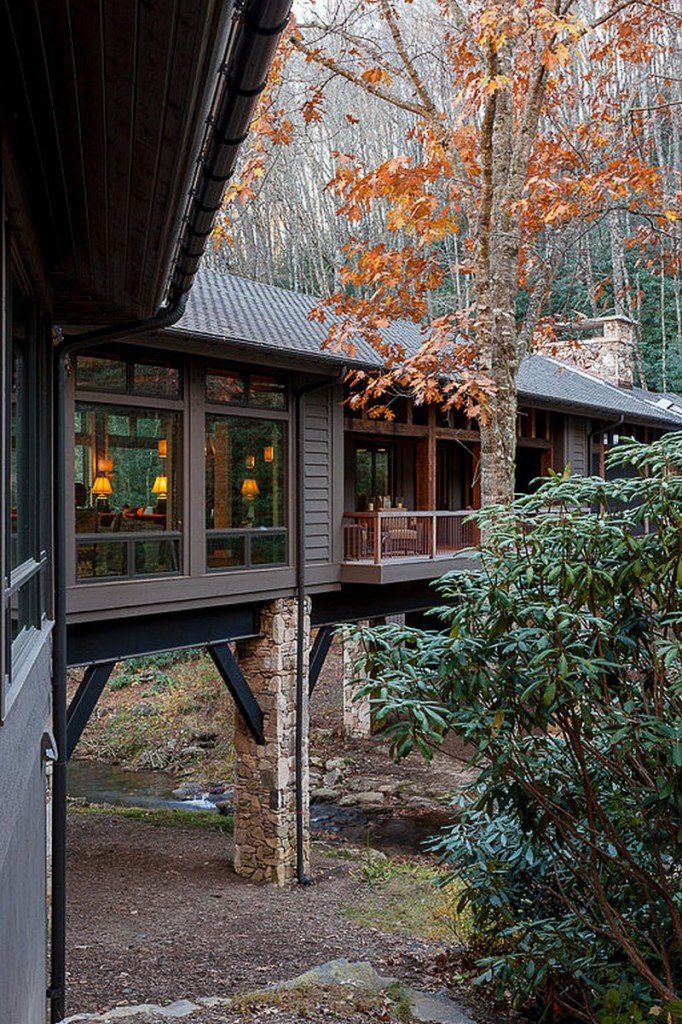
(431, 461)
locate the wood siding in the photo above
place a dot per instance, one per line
(577, 442)
(318, 475)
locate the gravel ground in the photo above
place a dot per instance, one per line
(157, 914)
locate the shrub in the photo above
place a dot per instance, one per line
(558, 660)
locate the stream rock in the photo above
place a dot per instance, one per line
(370, 800)
(322, 795)
(188, 791)
(331, 778)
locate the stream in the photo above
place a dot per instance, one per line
(394, 830)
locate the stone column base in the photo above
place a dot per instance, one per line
(265, 776)
(357, 719)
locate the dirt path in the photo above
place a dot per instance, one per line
(157, 914)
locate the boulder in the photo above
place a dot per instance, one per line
(369, 798)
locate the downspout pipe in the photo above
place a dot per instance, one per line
(301, 681)
(603, 430)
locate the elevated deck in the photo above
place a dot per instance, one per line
(393, 545)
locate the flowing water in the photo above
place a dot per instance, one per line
(393, 830)
(105, 784)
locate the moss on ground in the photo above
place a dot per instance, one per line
(406, 897)
(337, 1003)
(208, 820)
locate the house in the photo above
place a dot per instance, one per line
(182, 473)
(120, 125)
(220, 493)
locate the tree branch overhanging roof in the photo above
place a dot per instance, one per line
(237, 311)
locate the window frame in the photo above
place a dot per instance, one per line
(247, 534)
(29, 577)
(226, 410)
(122, 399)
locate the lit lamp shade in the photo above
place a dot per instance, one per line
(250, 489)
(162, 447)
(160, 486)
(101, 487)
(268, 453)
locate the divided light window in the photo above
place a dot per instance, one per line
(255, 390)
(127, 469)
(245, 470)
(127, 376)
(24, 556)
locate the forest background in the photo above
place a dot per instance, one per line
(282, 226)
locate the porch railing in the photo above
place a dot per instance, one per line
(385, 536)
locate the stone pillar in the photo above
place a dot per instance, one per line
(357, 719)
(265, 776)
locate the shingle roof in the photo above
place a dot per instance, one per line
(542, 378)
(230, 308)
(234, 309)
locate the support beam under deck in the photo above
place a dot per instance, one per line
(84, 702)
(234, 680)
(318, 654)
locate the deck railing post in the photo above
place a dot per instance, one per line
(377, 538)
(434, 537)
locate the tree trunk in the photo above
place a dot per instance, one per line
(498, 432)
(498, 452)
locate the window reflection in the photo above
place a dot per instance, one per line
(19, 457)
(24, 585)
(245, 498)
(236, 387)
(119, 375)
(126, 483)
(373, 475)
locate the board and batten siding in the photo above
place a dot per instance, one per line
(577, 445)
(318, 477)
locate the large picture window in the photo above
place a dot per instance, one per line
(245, 492)
(127, 491)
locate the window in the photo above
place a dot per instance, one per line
(373, 475)
(25, 476)
(245, 493)
(127, 491)
(256, 390)
(119, 375)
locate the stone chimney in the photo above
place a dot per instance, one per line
(602, 346)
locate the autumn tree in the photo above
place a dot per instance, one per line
(519, 140)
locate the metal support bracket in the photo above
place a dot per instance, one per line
(84, 702)
(240, 691)
(318, 653)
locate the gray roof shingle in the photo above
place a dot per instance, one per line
(542, 378)
(234, 309)
(230, 308)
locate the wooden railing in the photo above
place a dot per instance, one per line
(384, 536)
